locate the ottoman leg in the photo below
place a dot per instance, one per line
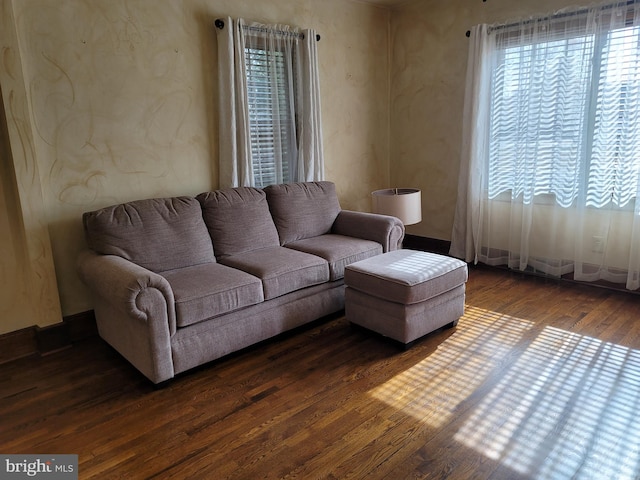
(451, 324)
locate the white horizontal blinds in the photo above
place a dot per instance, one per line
(540, 90)
(565, 113)
(615, 159)
(269, 67)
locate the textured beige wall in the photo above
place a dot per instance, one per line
(112, 100)
(27, 276)
(429, 58)
(15, 307)
(119, 103)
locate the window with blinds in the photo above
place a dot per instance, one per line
(271, 114)
(565, 118)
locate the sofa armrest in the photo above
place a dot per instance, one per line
(386, 230)
(135, 311)
(130, 288)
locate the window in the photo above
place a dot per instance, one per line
(271, 105)
(565, 114)
(270, 128)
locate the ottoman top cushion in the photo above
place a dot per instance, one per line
(406, 276)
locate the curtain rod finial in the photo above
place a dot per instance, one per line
(468, 34)
(219, 23)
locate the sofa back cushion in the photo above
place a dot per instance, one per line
(238, 220)
(303, 210)
(159, 234)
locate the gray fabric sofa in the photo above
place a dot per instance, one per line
(178, 282)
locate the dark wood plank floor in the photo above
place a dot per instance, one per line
(539, 380)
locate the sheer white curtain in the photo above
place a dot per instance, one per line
(475, 136)
(269, 103)
(551, 151)
(311, 155)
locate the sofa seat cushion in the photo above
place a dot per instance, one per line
(302, 210)
(282, 270)
(238, 220)
(338, 250)
(158, 234)
(205, 291)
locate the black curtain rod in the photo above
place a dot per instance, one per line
(219, 23)
(581, 11)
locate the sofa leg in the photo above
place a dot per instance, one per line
(162, 385)
(407, 346)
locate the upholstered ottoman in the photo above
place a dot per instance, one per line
(405, 294)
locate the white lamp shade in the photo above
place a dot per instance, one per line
(404, 203)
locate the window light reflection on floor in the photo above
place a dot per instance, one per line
(567, 405)
(432, 389)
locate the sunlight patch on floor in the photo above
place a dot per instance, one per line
(569, 407)
(432, 389)
(566, 405)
